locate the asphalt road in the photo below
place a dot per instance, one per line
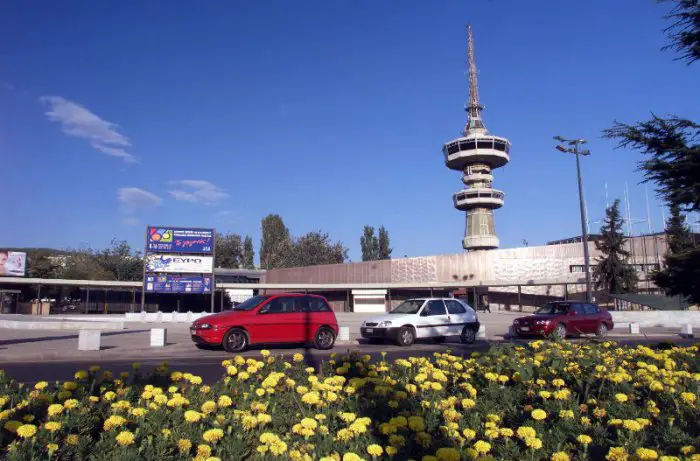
(207, 363)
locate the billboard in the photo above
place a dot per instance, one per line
(190, 264)
(178, 284)
(12, 263)
(180, 240)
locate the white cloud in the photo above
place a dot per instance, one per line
(79, 122)
(133, 197)
(197, 191)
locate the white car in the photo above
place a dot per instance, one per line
(414, 319)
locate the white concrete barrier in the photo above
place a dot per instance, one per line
(89, 340)
(482, 332)
(634, 328)
(687, 330)
(649, 319)
(159, 337)
(343, 334)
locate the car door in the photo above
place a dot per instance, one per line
(459, 316)
(434, 320)
(280, 321)
(315, 313)
(577, 321)
(592, 317)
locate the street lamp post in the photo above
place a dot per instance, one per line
(574, 149)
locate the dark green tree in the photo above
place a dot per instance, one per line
(681, 272)
(83, 265)
(42, 264)
(275, 242)
(248, 253)
(120, 261)
(229, 251)
(384, 248)
(672, 155)
(369, 244)
(612, 273)
(312, 249)
(684, 31)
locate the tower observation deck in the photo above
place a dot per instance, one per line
(477, 153)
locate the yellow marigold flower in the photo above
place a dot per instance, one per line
(208, 407)
(41, 385)
(416, 423)
(560, 456)
(526, 432)
(481, 447)
(688, 397)
(265, 353)
(81, 374)
(533, 442)
(468, 403)
(263, 418)
(203, 450)
(26, 431)
(646, 454)
(298, 357)
(70, 386)
(584, 439)
(669, 458)
(51, 448)
(184, 445)
(617, 454)
(125, 438)
(52, 426)
(311, 398)
(166, 432)
(688, 450)
(192, 416)
(429, 458)
(225, 401)
(506, 432)
(213, 458)
(558, 382)
(55, 409)
(375, 450)
(391, 451)
(631, 425)
(109, 396)
(213, 435)
(72, 439)
(538, 415)
(350, 456)
(545, 394)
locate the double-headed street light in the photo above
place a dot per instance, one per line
(574, 149)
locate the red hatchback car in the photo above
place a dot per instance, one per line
(561, 318)
(279, 318)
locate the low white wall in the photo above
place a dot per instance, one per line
(152, 317)
(667, 319)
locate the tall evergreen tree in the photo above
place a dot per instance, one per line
(248, 253)
(681, 274)
(384, 248)
(275, 242)
(369, 244)
(612, 274)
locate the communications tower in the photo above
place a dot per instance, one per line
(476, 153)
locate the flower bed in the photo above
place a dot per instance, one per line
(553, 401)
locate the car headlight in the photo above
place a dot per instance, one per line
(204, 326)
(385, 323)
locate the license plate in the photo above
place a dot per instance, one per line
(370, 330)
(525, 328)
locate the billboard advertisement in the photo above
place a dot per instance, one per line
(189, 264)
(12, 263)
(180, 240)
(178, 284)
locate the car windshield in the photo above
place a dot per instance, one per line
(411, 306)
(250, 303)
(553, 309)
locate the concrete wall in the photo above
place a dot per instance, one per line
(668, 319)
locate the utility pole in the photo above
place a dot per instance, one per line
(574, 149)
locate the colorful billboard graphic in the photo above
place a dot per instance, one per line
(177, 284)
(180, 240)
(189, 264)
(12, 263)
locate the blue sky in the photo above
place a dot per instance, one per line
(114, 115)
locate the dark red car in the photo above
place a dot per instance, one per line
(278, 318)
(561, 318)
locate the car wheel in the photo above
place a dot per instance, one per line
(324, 339)
(602, 330)
(235, 340)
(468, 335)
(559, 332)
(406, 336)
